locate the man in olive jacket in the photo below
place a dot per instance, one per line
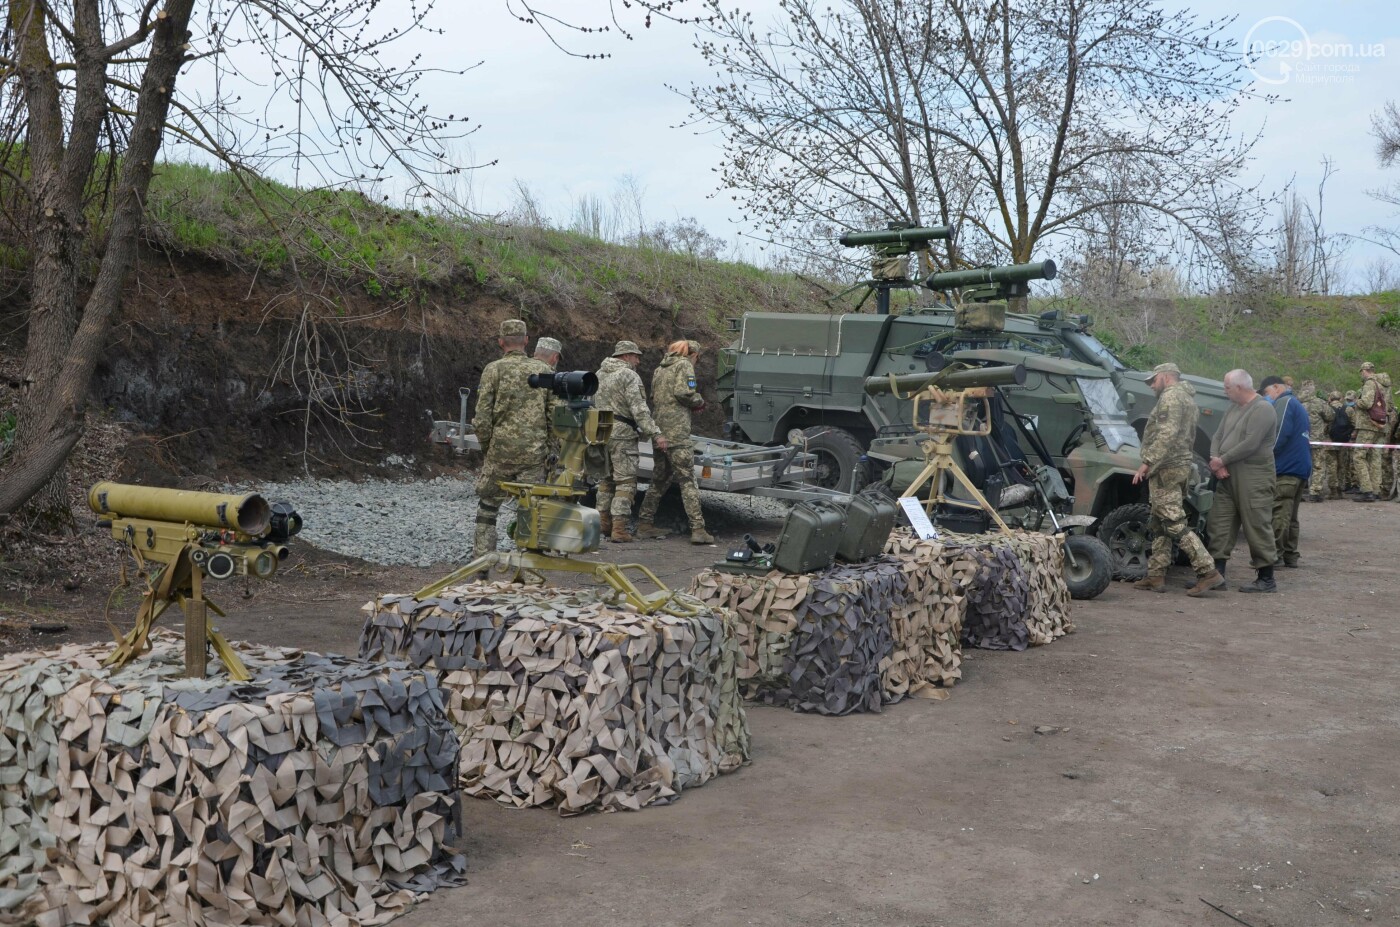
(1166, 466)
(1242, 459)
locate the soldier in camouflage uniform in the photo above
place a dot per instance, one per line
(1367, 460)
(1166, 466)
(512, 424)
(1388, 456)
(548, 350)
(674, 397)
(1348, 475)
(620, 392)
(1337, 460)
(1319, 418)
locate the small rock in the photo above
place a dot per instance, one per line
(1046, 729)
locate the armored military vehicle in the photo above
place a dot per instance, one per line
(799, 375)
(798, 378)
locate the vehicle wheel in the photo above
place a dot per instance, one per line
(838, 453)
(1124, 531)
(1092, 569)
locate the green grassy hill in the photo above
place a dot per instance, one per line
(1325, 338)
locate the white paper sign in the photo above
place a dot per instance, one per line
(918, 518)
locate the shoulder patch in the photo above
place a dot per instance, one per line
(690, 381)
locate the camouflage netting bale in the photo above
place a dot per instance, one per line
(319, 793)
(1043, 558)
(927, 625)
(1015, 587)
(564, 698)
(813, 641)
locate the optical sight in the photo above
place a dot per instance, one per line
(567, 384)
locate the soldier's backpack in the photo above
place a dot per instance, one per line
(1378, 411)
(1340, 430)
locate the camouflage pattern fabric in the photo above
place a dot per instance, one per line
(618, 489)
(1319, 418)
(1171, 428)
(620, 392)
(568, 698)
(676, 465)
(512, 424)
(322, 792)
(1166, 488)
(674, 396)
(1367, 460)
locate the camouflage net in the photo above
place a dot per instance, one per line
(564, 698)
(850, 638)
(319, 793)
(1014, 586)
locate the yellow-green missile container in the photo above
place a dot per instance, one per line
(248, 513)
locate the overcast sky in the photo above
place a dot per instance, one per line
(570, 127)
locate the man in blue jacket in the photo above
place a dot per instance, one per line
(1292, 464)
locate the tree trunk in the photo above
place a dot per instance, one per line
(65, 341)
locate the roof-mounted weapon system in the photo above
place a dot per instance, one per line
(889, 264)
(984, 284)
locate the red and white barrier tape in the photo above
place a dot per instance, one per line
(1342, 444)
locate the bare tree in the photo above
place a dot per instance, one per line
(91, 90)
(1018, 120)
(1385, 129)
(1381, 276)
(1307, 257)
(90, 93)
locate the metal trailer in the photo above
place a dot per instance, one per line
(720, 465)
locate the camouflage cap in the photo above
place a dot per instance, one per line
(1367, 365)
(694, 346)
(626, 347)
(549, 344)
(512, 327)
(1351, 395)
(1166, 368)
(1334, 396)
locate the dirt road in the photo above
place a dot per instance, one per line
(1241, 749)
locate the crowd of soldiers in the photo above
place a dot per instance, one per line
(1271, 451)
(1363, 417)
(512, 425)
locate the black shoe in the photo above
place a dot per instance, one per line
(1313, 497)
(1260, 585)
(1365, 497)
(1292, 565)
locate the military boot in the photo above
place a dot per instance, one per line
(647, 530)
(1263, 582)
(620, 534)
(1218, 571)
(700, 536)
(605, 523)
(1212, 580)
(1152, 584)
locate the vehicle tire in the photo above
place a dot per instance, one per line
(1124, 532)
(1092, 570)
(838, 456)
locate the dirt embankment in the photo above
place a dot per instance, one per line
(215, 368)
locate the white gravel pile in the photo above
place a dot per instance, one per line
(427, 522)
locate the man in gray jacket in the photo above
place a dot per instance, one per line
(1242, 459)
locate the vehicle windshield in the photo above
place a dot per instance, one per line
(1110, 417)
(1094, 350)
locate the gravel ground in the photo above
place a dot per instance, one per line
(422, 523)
